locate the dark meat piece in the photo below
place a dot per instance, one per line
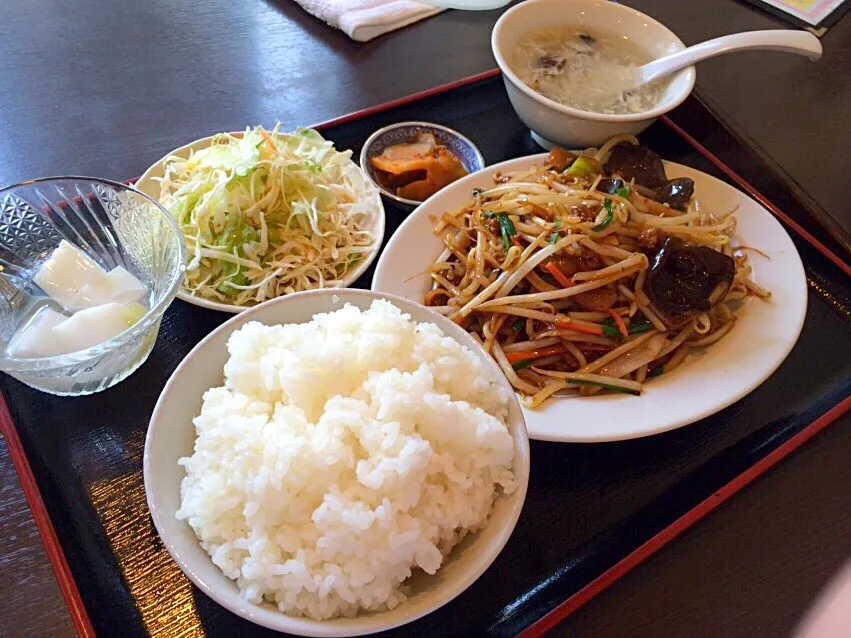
(570, 264)
(592, 351)
(522, 288)
(686, 279)
(609, 185)
(650, 239)
(638, 163)
(589, 260)
(585, 212)
(566, 264)
(597, 300)
(676, 193)
(567, 363)
(587, 39)
(559, 159)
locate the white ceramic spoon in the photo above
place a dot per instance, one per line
(784, 40)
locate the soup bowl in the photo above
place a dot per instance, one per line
(556, 124)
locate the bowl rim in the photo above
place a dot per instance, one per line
(14, 364)
(351, 276)
(277, 620)
(688, 72)
(364, 155)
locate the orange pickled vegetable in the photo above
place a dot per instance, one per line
(416, 170)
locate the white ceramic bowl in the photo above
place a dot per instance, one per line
(171, 435)
(151, 187)
(553, 123)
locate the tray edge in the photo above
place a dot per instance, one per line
(44, 524)
(66, 581)
(647, 549)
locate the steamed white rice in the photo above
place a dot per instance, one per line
(340, 456)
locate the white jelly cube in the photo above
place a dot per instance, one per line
(72, 278)
(91, 326)
(123, 286)
(36, 338)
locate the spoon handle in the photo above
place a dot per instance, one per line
(785, 40)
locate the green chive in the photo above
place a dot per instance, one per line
(582, 167)
(610, 215)
(507, 224)
(517, 326)
(507, 230)
(522, 364)
(611, 331)
(638, 327)
(605, 386)
(506, 242)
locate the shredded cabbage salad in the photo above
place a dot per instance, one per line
(268, 214)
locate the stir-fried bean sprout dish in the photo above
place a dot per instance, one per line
(269, 213)
(593, 272)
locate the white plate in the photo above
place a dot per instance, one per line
(703, 384)
(148, 185)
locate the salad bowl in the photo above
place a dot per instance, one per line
(150, 184)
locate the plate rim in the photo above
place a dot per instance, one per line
(351, 277)
(518, 163)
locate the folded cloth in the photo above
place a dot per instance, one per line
(364, 20)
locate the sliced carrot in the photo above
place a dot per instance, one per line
(619, 322)
(558, 275)
(588, 329)
(268, 139)
(525, 355)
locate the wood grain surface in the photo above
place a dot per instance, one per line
(30, 604)
(794, 112)
(105, 88)
(753, 568)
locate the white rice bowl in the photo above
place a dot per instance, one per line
(343, 455)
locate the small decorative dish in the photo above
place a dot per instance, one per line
(411, 149)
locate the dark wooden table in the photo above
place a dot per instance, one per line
(104, 88)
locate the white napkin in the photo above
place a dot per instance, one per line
(364, 20)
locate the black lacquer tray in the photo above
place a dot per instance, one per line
(593, 511)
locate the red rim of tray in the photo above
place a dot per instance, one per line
(65, 579)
